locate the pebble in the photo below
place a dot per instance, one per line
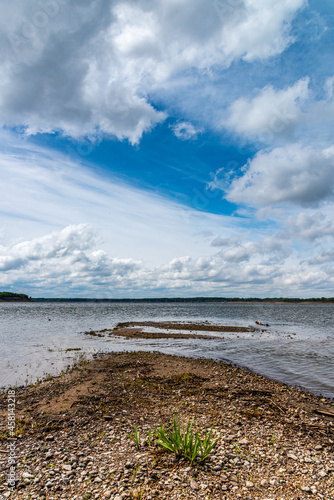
(194, 485)
(26, 475)
(249, 484)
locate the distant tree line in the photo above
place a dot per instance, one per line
(190, 299)
(10, 296)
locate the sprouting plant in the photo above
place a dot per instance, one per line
(273, 439)
(150, 435)
(135, 437)
(188, 443)
(236, 447)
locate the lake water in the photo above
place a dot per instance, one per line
(297, 348)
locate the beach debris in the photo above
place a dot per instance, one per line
(262, 324)
(323, 412)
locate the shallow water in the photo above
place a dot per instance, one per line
(297, 348)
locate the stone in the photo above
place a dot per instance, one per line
(48, 455)
(49, 437)
(249, 484)
(194, 485)
(292, 456)
(217, 468)
(243, 441)
(322, 473)
(68, 468)
(26, 475)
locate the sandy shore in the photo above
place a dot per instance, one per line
(276, 442)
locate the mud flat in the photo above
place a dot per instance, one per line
(139, 330)
(276, 442)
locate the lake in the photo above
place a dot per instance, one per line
(297, 347)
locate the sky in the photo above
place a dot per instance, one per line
(167, 148)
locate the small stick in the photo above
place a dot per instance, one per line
(322, 412)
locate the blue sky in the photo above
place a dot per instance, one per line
(167, 148)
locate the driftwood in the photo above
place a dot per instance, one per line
(322, 412)
(262, 324)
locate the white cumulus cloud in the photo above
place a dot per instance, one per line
(287, 175)
(272, 112)
(90, 68)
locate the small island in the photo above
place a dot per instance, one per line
(14, 297)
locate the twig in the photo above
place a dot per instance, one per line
(275, 404)
(322, 412)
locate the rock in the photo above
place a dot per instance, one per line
(68, 468)
(97, 480)
(292, 456)
(217, 468)
(48, 455)
(49, 437)
(49, 484)
(243, 441)
(194, 485)
(26, 475)
(322, 473)
(249, 484)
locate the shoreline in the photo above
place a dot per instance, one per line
(275, 442)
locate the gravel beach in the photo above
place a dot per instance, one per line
(71, 435)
